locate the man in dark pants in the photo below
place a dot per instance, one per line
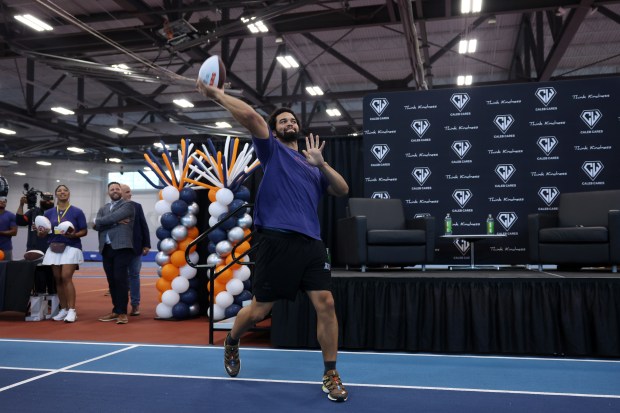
(141, 247)
(115, 225)
(43, 277)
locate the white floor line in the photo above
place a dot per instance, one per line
(64, 369)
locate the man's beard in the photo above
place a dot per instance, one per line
(288, 136)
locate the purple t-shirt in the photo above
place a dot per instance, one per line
(289, 194)
(76, 216)
(7, 221)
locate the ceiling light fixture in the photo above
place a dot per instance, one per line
(223, 125)
(20, 173)
(63, 111)
(7, 131)
(44, 163)
(464, 80)
(34, 23)
(471, 6)
(115, 160)
(333, 112)
(119, 131)
(314, 90)
(468, 46)
(160, 146)
(287, 61)
(254, 26)
(75, 149)
(184, 103)
(121, 68)
(81, 171)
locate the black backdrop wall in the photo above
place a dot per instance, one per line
(504, 150)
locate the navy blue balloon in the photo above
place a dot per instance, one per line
(158, 245)
(179, 207)
(243, 193)
(244, 295)
(162, 233)
(247, 285)
(188, 195)
(230, 311)
(180, 311)
(236, 203)
(211, 247)
(169, 220)
(217, 235)
(190, 296)
(227, 223)
(194, 284)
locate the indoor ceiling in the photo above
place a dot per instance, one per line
(348, 48)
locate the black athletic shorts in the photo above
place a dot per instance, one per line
(287, 262)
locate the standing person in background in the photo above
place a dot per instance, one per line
(8, 229)
(291, 255)
(141, 247)
(114, 222)
(64, 253)
(44, 276)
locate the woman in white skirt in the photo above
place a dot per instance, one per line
(64, 253)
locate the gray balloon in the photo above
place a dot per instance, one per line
(189, 220)
(159, 269)
(235, 234)
(223, 248)
(179, 233)
(214, 259)
(193, 208)
(168, 245)
(245, 221)
(161, 258)
(194, 310)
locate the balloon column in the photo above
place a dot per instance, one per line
(225, 174)
(177, 208)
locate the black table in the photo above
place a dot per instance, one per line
(472, 239)
(16, 281)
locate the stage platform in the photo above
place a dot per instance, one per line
(514, 310)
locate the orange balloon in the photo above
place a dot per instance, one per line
(225, 276)
(211, 194)
(163, 285)
(192, 233)
(185, 243)
(219, 287)
(177, 259)
(169, 272)
(229, 259)
(241, 248)
(160, 194)
(246, 232)
(1, 255)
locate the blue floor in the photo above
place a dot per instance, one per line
(40, 376)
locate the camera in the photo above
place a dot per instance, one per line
(32, 194)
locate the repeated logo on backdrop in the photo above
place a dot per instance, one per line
(507, 151)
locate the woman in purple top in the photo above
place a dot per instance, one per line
(65, 251)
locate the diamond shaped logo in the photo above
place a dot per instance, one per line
(459, 100)
(379, 151)
(421, 174)
(591, 117)
(503, 122)
(592, 168)
(380, 195)
(379, 105)
(462, 196)
(420, 126)
(548, 194)
(545, 94)
(547, 144)
(461, 148)
(462, 246)
(505, 171)
(507, 219)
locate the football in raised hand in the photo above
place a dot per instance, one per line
(212, 72)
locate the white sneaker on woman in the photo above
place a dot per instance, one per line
(61, 315)
(71, 316)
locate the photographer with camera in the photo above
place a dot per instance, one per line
(44, 278)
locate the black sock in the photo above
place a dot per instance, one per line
(230, 341)
(329, 365)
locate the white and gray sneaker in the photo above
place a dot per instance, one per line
(71, 316)
(61, 315)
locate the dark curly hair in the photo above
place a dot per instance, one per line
(272, 118)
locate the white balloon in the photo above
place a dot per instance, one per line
(163, 311)
(234, 286)
(242, 274)
(224, 299)
(194, 257)
(170, 194)
(214, 259)
(162, 206)
(216, 209)
(180, 284)
(218, 312)
(170, 298)
(235, 234)
(187, 272)
(212, 221)
(224, 196)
